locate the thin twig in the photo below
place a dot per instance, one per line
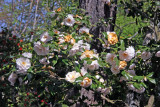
(35, 17)
(30, 9)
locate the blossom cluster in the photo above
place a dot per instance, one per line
(77, 47)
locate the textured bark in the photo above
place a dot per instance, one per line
(99, 9)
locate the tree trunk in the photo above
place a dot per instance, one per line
(99, 9)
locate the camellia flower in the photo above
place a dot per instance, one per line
(83, 71)
(128, 54)
(101, 80)
(110, 58)
(39, 49)
(67, 38)
(71, 76)
(115, 69)
(132, 72)
(112, 38)
(93, 66)
(44, 61)
(69, 20)
(122, 64)
(74, 49)
(146, 55)
(21, 71)
(12, 78)
(45, 37)
(84, 30)
(131, 87)
(157, 54)
(97, 76)
(73, 41)
(61, 39)
(83, 46)
(132, 66)
(108, 2)
(56, 32)
(86, 82)
(77, 16)
(88, 54)
(23, 63)
(27, 55)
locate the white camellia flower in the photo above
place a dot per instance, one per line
(132, 72)
(132, 66)
(97, 76)
(84, 30)
(74, 49)
(21, 71)
(101, 80)
(44, 61)
(45, 37)
(83, 71)
(12, 78)
(141, 90)
(93, 66)
(71, 76)
(69, 20)
(131, 87)
(84, 46)
(27, 55)
(115, 69)
(106, 90)
(110, 58)
(128, 54)
(108, 2)
(146, 55)
(86, 82)
(157, 54)
(39, 49)
(122, 79)
(23, 63)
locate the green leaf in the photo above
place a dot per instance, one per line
(29, 76)
(152, 80)
(117, 61)
(150, 74)
(122, 47)
(101, 64)
(143, 84)
(87, 75)
(104, 34)
(89, 62)
(101, 40)
(79, 53)
(138, 78)
(65, 61)
(93, 86)
(126, 75)
(79, 79)
(77, 69)
(137, 85)
(64, 105)
(54, 62)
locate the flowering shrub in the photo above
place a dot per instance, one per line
(60, 59)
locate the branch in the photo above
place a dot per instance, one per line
(28, 18)
(35, 20)
(112, 101)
